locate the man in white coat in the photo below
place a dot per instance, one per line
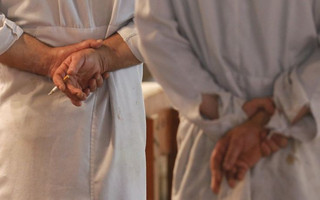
(49, 148)
(214, 58)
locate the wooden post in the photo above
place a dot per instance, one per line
(162, 123)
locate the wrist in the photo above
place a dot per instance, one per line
(261, 118)
(48, 62)
(106, 58)
(209, 106)
(38, 54)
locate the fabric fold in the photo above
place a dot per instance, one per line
(9, 33)
(294, 90)
(129, 35)
(184, 95)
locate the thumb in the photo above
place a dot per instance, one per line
(84, 45)
(76, 62)
(96, 43)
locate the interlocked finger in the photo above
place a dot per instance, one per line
(99, 79)
(242, 169)
(265, 150)
(216, 164)
(280, 140)
(93, 85)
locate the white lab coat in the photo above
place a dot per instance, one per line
(239, 50)
(50, 149)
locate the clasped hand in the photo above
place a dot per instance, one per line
(243, 146)
(85, 67)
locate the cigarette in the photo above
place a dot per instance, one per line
(56, 88)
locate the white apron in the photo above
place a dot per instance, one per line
(50, 149)
(239, 50)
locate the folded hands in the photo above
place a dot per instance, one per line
(234, 154)
(244, 145)
(85, 67)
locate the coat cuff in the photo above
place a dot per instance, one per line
(289, 95)
(231, 114)
(293, 91)
(304, 130)
(130, 36)
(9, 33)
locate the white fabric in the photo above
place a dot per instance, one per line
(294, 90)
(9, 33)
(238, 50)
(52, 150)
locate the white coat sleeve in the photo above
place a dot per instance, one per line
(130, 36)
(174, 65)
(298, 88)
(9, 33)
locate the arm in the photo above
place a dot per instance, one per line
(21, 50)
(29, 54)
(116, 54)
(169, 56)
(24, 52)
(295, 92)
(297, 95)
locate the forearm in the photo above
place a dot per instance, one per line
(27, 54)
(116, 54)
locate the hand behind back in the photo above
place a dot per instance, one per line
(243, 146)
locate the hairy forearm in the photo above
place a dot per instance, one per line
(116, 54)
(27, 54)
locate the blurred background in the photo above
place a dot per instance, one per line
(162, 123)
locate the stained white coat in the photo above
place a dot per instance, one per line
(239, 50)
(50, 149)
